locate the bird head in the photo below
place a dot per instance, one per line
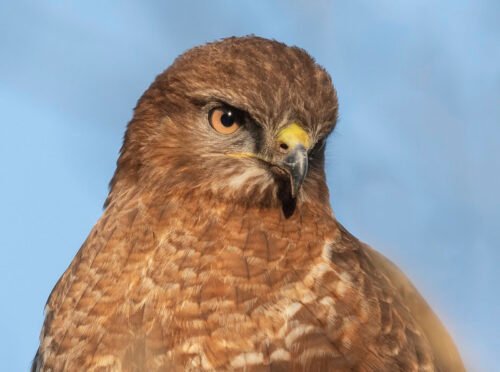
(243, 120)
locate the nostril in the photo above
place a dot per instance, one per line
(283, 146)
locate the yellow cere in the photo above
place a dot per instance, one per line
(294, 135)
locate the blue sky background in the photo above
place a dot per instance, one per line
(413, 168)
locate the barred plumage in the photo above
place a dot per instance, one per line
(205, 261)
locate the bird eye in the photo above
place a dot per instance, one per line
(225, 120)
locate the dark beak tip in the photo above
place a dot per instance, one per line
(296, 162)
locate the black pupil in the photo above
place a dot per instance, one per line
(227, 119)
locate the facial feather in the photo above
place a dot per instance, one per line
(285, 86)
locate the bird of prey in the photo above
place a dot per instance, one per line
(218, 249)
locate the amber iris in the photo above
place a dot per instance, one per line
(225, 120)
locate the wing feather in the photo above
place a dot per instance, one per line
(446, 354)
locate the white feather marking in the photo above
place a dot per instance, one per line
(326, 253)
(309, 297)
(341, 288)
(292, 309)
(327, 301)
(194, 346)
(345, 276)
(298, 332)
(239, 180)
(319, 269)
(279, 355)
(109, 362)
(247, 359)
(191, 347)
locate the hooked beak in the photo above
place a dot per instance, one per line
(296, 163)
(295, 141)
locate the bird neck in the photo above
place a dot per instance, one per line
(226, 224)
(207, 243)
(261, 232)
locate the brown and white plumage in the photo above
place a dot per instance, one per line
(214, 254)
